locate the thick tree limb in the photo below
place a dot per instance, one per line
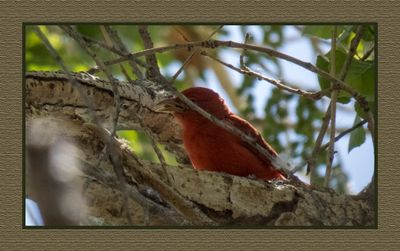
(51, 92)
(192, 197)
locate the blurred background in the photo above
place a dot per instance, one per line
(290, 123)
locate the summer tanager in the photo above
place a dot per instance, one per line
(211, 147)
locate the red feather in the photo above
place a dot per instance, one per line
(212, 148)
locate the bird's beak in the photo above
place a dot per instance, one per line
(170, 106)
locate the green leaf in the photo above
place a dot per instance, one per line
(357, 136)
(360, 76)
(343, 38)
(369, 33)
(321, 31)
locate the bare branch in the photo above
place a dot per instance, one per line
(312, 159)
(368, 53)
(189, 58)
(217, 43)
(353, 49)
(112, 49)
(118, 42)
(281, 85)
(153, 71)
(241, 59)
(325, 122)
(334, 94)
(344, 133)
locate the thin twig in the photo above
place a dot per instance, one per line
(367, 54)
(215, 31)
(112, 49)
(187, 61)
(344, 133)
(334, 94)
(312, 159)
(153, 71)
(120, 45)
(353, 49)
(123, 70)
(189, 58)
(157, 150)
(281, 85)
(111, 42)
(241, 59)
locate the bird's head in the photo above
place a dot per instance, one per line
(205, 98)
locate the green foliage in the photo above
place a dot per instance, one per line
(322, 31)
(357, 137)
(37, 57)
(360, 76)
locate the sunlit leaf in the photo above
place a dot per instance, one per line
(360, 76)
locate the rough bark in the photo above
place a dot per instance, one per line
(177, 195)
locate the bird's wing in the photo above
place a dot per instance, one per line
(248, 129)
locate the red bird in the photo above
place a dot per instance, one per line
(211, 147)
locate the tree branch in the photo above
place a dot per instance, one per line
(280, 84)
(334, 94)
(312, 159)
(353, 46)
(120, 45)
(153, 71)
(344, 133)
(273, 53)
(198, 197)
(113, 49)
